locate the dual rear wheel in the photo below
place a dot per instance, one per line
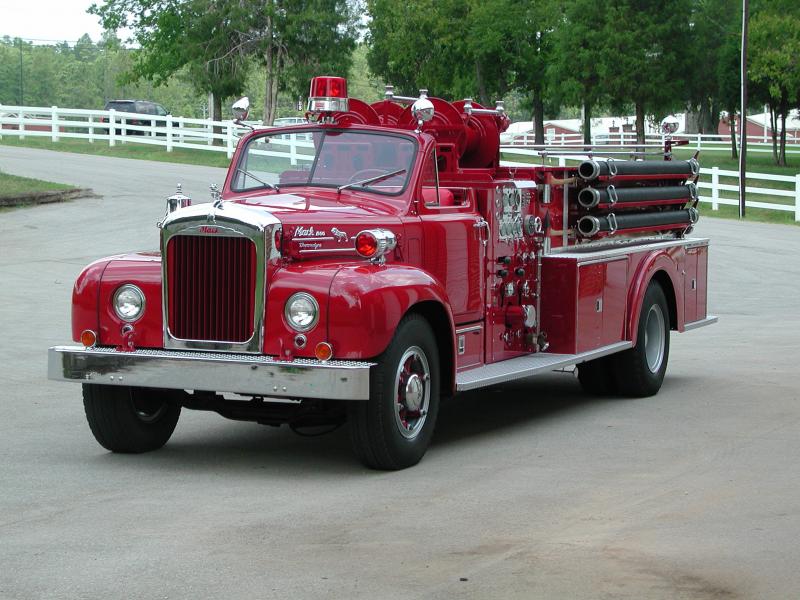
(639, 371)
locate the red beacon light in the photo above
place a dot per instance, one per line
(328, 94)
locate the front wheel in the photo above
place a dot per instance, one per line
(392, 430)
(130, 420)
(639, 372)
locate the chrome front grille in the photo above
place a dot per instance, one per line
(212, 282)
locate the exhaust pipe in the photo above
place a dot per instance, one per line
(591, 197)
(590, 225)
(589, 170)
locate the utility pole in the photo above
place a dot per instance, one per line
(743, 112)
(21, 79)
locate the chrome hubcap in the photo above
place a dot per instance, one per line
(412, 389)
(414, 392)
(654, 338)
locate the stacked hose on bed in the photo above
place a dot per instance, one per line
(636, 196)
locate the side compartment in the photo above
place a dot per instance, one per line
(583, 302)
(695, 283)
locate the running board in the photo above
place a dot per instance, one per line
(526, 366)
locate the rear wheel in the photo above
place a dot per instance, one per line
(639, 372)
(130, 420)
(392, 430)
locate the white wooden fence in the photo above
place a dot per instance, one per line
(112, 127)
(697, 141)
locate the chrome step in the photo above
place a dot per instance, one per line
(525, 366)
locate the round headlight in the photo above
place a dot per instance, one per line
(302, 311)
(128, 302)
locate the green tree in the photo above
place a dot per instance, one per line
(194, 35)
(715, 27)
(774, 48)
(643, 60)
(218, 41)
(456, 48)
(523, 45)
(575, 71)
(417, 44)
(294, 40)
(86, 76)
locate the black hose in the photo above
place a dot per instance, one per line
(590, 197)
(590, 226)
(592, 169)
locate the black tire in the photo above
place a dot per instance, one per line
(388, 434)
(130, 420)
(597, 376)
(636, 375)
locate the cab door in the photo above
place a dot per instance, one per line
(453, 242)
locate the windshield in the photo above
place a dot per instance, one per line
(376, 162)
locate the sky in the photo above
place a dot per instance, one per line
(59, 20)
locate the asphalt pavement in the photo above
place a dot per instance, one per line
(530, 489)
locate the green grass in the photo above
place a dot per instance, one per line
(205, 158)
(757, 162)
(752, 214)
(13, 185)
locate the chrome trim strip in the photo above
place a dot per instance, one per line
(470, 329)
(212, 371)
(604, 259)
(337, 250)
(700, 323)
(526, 366)
(628, 248)
(222, 219)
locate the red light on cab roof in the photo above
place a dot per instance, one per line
(328, 87)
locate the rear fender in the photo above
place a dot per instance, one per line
(664, 267)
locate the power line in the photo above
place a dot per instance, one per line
(24, 39)
(53, 41)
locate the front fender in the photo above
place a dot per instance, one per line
(95, 287)
(663, 261)
(367, 302)
(86, 298)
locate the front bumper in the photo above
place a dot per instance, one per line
(254, 375)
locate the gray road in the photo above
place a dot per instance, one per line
(530, 490)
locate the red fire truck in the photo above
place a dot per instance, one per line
(359, 267)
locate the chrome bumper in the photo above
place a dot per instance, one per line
(212, 371)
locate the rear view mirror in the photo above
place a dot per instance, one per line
(241, 108)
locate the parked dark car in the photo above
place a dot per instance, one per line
(144, 107)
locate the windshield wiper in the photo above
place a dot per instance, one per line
(267, 183)
(371, 179)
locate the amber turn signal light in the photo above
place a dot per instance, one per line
(88, 338)
(323, 351)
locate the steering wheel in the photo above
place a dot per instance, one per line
(366, 174)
